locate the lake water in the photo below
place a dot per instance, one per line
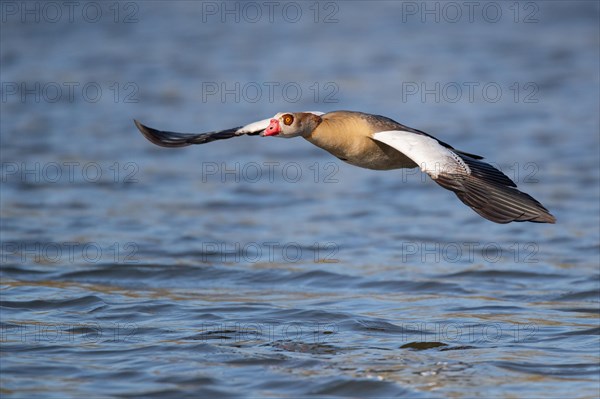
(258, 267)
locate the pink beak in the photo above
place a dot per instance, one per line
(273, 129)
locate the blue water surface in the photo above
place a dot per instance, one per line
(259, 267)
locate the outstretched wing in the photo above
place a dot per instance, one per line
(173, 139)
(485, 189)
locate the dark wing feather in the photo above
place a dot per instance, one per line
(491, 194)
(173, 139)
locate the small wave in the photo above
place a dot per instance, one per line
(565, 369)
(85, 302)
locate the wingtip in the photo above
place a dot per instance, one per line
(146, 131)
(155, 136)
(545, 218)
(140, 127)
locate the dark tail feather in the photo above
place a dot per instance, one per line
(493, 195)
(172, 139)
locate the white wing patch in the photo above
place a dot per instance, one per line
(254, 126)
(431, 156)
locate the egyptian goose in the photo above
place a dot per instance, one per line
(380, 143)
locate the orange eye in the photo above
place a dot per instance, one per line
(288, 119)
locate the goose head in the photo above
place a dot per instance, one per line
(292, 124)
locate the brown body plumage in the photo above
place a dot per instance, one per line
(347, 135)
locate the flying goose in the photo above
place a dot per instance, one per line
(380, 143)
